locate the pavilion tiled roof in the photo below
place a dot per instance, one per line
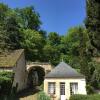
(63, 70)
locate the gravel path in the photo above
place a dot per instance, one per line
(30, 97)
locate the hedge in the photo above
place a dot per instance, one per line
(6, 79)
(85, 97)
(78, 97)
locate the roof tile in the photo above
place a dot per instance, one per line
(10, 59)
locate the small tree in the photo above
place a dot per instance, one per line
(43, 96)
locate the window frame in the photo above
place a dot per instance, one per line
(51, 87)
(62, 88)
(75, 89)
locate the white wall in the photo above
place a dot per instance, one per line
(81, 86)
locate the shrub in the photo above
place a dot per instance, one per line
(85, 97)
(43, 96)
(90, 89)
(5, 85)
(78, 97)
(94, 97)
(6, 74)
(5, 82)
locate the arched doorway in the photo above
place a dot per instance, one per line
(35, 76)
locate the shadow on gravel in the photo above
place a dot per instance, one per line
(27, 92)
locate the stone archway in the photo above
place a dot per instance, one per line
(35, 76)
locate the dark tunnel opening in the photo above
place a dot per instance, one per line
(36, 76)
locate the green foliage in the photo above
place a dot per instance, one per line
(85, 97)
(94, 97)
(14, 20)
(71, 45)
(51, 54)
(20, 28)
(33, 43)
(51, 50)
(28, 18)
(3, 44)
(6, 74)
(92, 22)
(12, 33)
(6, 79)
(90, 89)
(75, 49)
(53, 38)
(78, 97)
(43, 96)
(5, 85)
(3, 10)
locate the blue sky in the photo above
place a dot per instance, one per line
(56, 15)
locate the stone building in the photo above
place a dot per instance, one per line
(64, 81)
(15, 61)
(36, 72)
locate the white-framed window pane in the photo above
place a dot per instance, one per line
(62, 88)
(51, 88)
(73, 88)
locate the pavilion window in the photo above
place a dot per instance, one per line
(73, 88)
(51, 88)
(62, 88)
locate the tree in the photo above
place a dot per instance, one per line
(9, 33)
(12, 32)
(32, 42)
(3, 44)
(3, 11)
(71, 43)
(51, 51)
(94, 68)
(13, 21)
(54, 38)
(92, 22)
(51, 54)
(28, 18)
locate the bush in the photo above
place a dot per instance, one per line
(85, 97)
(6, 74)
(5, 82)
(78, 97)
(43, 96)
(94, 97)
(5, 85)
(90, 89)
